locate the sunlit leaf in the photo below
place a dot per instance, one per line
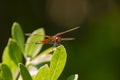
(32, 70)
(58, 62)
(12, 56)
(18, 35)
(24, 72)
(1, 78)
(40, 60)
(32, 49)
(6, 73)
(14, 51)
(43, 73)
(45, 56)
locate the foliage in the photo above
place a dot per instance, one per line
(22, 61)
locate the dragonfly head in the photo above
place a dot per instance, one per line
(56, 39)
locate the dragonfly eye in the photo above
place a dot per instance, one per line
(58, 39)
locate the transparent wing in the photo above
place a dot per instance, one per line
(58, 34)
(68, 39)
(38, 42)
(29, 34)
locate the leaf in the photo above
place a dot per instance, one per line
(58, 62)
(1, 78)
(18, 35)
(24, 72)
(73, 77)
(14, 51)
(32, 70)
(9, 62)
(40, 60)
(6, 73)
(12, 56)
(43, 73)
(42, 57)
(32, 49)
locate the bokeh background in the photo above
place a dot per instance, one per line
(95, 54)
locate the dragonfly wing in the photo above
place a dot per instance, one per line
(58, 34)
(29, 34)
(67, 39)
(35, 43)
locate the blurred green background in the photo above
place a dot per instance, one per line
(95, 54)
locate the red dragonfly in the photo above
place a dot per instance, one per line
(55, 39)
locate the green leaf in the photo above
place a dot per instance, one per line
(73, 77)
(43, 73)
(32, 49)
(40, 60)
(6, 59)
(45, 56)
(12, 56)
(18, 35)
(24, 72)
(58, 62)
(6, 73)
(14, 51)
(1, 78)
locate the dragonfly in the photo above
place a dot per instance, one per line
(55, 39)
